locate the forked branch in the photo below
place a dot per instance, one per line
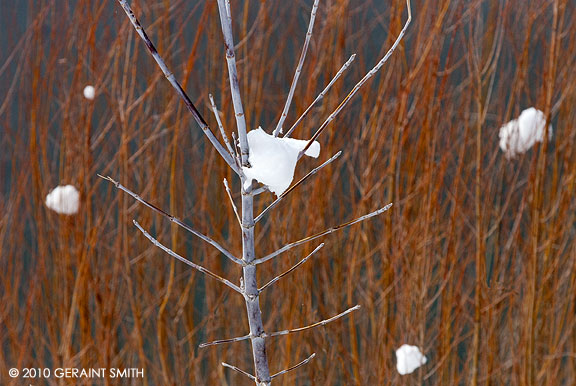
(186, 261)
(181, 93)
(175, 220)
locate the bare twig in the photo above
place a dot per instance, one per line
(370, 74)
(240, 371)
(283, 332)
(285, 193)
(278, 129)
(221, 127)
(317, 324)
(295, 366)
(174, 220)
(226, 23)
(323, 233)
(186, 261)
(291, 269)
(189, 105)
(232, 201)
(222, 341)
(321, 95)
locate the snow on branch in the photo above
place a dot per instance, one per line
(273, 160)
(285, 193)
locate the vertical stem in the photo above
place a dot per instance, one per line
(251, 294)
(226, 22)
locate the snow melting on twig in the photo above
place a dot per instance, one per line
(273, 159)
(89, 92)
(519, 135)
(64, 200)
(409, 358)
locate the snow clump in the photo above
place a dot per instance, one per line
(519, 135)
(409, 358)
(64, 200)
(89, 92)
(273, 159)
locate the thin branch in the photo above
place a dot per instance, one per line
(291, 269)
(221, 127)
(323, 233)
(186, 261)
(321, 95)
(317, 324)
(226, 23)
(232, 201)
(174, 220)
(295, 366)
(370, 74)
(285, 193)
(240, 371)
(189, 105)
(222, 341)
(298, 69)
(283, 332)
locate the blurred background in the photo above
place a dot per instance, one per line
(474, 263)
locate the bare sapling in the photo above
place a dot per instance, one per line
(238, 154)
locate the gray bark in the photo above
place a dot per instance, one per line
(251, 293)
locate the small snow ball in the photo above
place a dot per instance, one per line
(409, 358)
(273, 159)
(519, 135)
(89, 92)
(64, 200)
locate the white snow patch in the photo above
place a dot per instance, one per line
(273, 159)
(64, 200)
(409, 358)
(519, 135)
(89, 92)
